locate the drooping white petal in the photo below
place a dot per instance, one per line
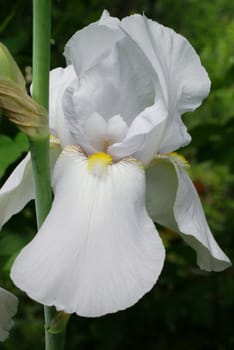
(60, 79)
(172, 201)
(8, 308)
(17, 190)
(98, 251)
(184, 83)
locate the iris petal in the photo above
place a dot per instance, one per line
(98, 251)
(143, 135)
(172, 201)
(17, 190)
(60, 79)
(8, 308)
(89, 46)
(183, 81)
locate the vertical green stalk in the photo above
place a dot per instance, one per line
(40, 147)
(41, 50)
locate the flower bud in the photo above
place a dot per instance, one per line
(9, 69)
(16, 104)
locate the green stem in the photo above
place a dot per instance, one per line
(41, 50)
(40, 147)
(53, 341)
(41, 174)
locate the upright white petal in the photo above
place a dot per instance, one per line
(184, 83)
(60, 79)
(98, 251)
(90, 45)
(119, 86)
(17, 190)
(8, 308)
(172, 201)
(116, 86)
(107, 20)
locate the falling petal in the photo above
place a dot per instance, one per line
(172, 201)
(17, 190)
(98, 251)
(8, 308)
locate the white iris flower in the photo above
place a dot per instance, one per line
(115, 111)
(8, 308)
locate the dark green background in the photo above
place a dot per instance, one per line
(188, 309)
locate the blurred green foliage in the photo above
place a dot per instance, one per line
(188, 309)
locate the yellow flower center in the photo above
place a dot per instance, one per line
(98, 163)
